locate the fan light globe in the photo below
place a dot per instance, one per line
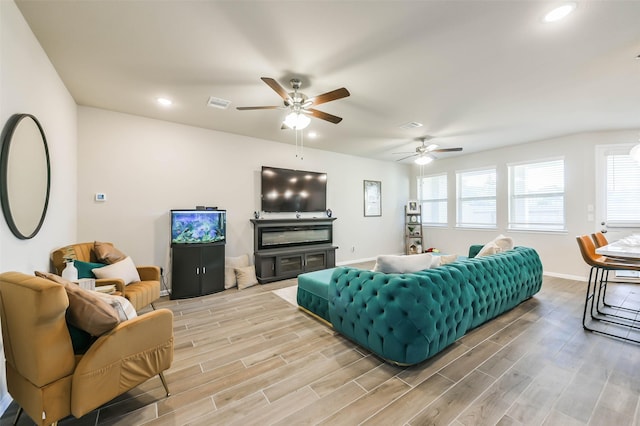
(296, 121)
(423, 159)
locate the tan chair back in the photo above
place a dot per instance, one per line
(81, 251)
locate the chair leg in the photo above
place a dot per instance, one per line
(15, 420)
(152, 306)
(164, 383)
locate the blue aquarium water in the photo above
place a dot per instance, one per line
(198, 226)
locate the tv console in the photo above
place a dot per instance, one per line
(285, 248)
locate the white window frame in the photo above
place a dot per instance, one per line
(462, 200)
(443, 201)
(532, 226)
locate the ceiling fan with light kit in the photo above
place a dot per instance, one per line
(299, 105)
(423, 152)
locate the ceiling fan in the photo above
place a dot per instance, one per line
(300, 105)
(423, 152)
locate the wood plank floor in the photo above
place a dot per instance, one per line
(249, 357)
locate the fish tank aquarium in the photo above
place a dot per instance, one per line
(198, 226)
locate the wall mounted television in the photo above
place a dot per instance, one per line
(286, 190)
(198, 226)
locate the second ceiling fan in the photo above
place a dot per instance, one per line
(423, 152)
(300, 105)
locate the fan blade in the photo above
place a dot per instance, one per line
(408, 156)
(323, 115)
(329, 96)
(447, 150)
(404, 152)
(257, 107)
(277, 88)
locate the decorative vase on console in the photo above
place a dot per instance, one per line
(70, 273)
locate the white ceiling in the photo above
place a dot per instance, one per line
(478, 74)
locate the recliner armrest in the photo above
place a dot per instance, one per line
(149, 273)
(119, 360)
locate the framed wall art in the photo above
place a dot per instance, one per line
(372, 198)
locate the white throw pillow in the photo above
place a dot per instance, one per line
(125, 309)
(488, 249)
(246, 277)
(230, 263)
(505, 243)
(394, 264)
(125, 270)
(445, 259)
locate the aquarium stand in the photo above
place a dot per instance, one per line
(285, 248)
(196, 269)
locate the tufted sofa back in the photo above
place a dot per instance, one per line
(407, 318)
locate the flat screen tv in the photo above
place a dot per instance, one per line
(198, 226)
(285, 190)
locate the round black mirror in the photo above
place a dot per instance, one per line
(25, 175)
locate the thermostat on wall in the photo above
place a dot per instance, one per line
(101, 196)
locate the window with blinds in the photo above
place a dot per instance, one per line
(432, 191)
(476, 199)
(536, 196)
(622, 195)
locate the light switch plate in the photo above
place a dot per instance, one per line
(101, 196)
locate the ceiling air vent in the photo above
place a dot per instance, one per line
(218, 103)
(411, 125)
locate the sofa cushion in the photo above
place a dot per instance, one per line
(230, 263)
(107, 253)
(125, 270)
(246, 277)
(400, 264)
(85, 268)
(86, 310)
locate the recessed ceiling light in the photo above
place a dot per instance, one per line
(164, 101)
(312, 134)
(560, 12)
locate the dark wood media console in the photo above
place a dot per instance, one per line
(285, 248)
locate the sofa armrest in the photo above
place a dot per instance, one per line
(131, 353)
(149, 273)
(404, 318)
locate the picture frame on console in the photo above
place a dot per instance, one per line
(372, 198)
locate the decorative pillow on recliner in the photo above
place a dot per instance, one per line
(230, 263)
(394, 264)
(107, 253)
(85, 268)
(86, 310)
(123, 307)
(125, 270)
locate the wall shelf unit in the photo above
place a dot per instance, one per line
(413, 240)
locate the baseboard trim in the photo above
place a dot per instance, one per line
(565, 276)
(5, 402)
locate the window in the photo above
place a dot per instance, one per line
(432, 191)
(622, 190)
(476, 196)
(536, 196)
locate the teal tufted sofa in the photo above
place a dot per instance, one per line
(408, 318)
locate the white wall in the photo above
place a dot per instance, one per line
(558, 251)
(147, 167)
(29, 84)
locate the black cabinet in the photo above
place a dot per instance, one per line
(273, 265)
(285, 248)
(196, 270)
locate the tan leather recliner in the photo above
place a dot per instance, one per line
(140, 294)
(44, 376)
